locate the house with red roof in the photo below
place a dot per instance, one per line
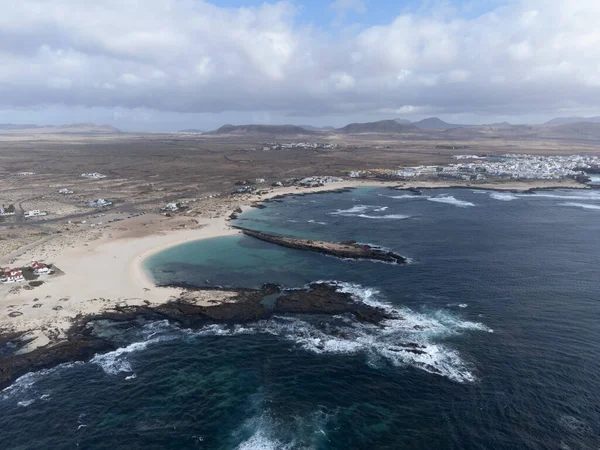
(40, 268)
(12, 275)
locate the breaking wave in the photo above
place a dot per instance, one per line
(25, 384)
(406, 339)
(503, 196)
(360, 210)
(388, 217)
(581, 205)
(399, 197)
(590, 196)
(116, 362)
(265, 431)
(449, 199)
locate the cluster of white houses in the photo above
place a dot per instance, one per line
(93, 175)
(16, 275)
(513, 166)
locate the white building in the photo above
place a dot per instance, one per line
(12, 275)
(93, 175)
(65, 191)
(40, 268)
(99, 202)
(171, 207)
(35, 213)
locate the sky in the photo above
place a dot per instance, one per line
(167, 65)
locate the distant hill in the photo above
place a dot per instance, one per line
(499, 125)
(312, 128)
(191, 130)
(403, 121)
(588, 131)
(569, 120)
(50, 129)
(14, 126)
(435, 123)
(260, 129)
(383, 126)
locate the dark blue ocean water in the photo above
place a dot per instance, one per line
(502, 292)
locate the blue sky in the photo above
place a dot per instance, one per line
(322, 14)
(163, 65)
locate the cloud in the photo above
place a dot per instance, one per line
(192, 56)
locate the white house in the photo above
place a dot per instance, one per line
(12, 275)
(65, 191)
(40, 268)
(171, 207)
(99, 202)
(35, 213)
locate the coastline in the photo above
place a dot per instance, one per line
(109, 271)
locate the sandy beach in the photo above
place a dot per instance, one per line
(103, 268)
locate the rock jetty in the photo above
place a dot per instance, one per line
(349, 249)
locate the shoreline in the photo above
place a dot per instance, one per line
(109, 272)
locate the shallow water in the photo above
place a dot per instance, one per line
(502, 294)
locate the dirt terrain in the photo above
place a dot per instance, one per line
(146, 171)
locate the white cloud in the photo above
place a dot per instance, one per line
(192, 56)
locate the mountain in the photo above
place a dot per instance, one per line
(403, 121)
(499, 125)
(434, 123)
(588, 131)
(383, 126)
(53, 129)
(260, 129)
(569, 120)
(14, 126)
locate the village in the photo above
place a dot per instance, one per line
(508, 166)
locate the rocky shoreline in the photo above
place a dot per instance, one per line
(248, 305)
(347, 250)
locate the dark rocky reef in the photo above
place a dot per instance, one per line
(350, 249)
(188, 311)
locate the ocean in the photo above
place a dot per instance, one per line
(501, 294)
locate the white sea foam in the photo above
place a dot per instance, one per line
(386, 217)
(351, 211)
(360, 210)
(264, 435)
(404, 196)
(260, 441)
(449, 199)
(591, 196)
(581, 205)
(116, 362)
(503, 196)
(406, 339)
(25, 383)
(25, 403)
